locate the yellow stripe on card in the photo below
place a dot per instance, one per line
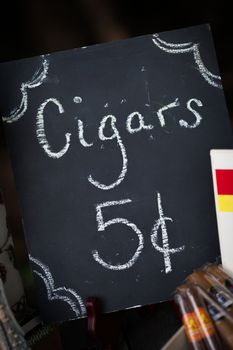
(225, 203)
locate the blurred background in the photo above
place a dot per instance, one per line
(31, 27)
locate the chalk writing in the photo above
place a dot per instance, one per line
(197, 115)
(81, 135)
(141, 123)
(41, 135)
(103, 225)
(40, 130)
(160, 115)
(37, 79)
(116, 136)
(178, 48)
(77, 99)
(160, 223)
(165, 249)
(64, 294)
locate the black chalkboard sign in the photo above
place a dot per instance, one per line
(110, 147)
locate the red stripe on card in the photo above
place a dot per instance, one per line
(224, 179)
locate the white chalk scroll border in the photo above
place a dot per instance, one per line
(189, 47)
(37, 79)
(64, 294)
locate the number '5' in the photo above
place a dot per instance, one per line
(103, 225)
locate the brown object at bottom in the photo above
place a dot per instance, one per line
(191, 327)
(225, 330)
(204, 320)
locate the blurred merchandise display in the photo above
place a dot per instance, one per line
(11, 334)
(9, 274)
(206, 305)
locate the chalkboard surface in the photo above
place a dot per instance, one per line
(110, 148)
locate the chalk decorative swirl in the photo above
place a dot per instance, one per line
(179, 48)
(64, 294)
(37, 79)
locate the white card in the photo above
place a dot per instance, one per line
(222, 171)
